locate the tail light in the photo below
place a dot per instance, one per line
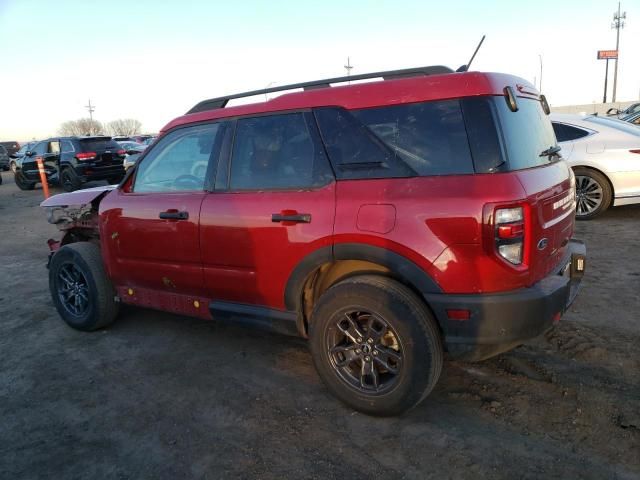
(510, 234)
(86, 156)
(637, 150)
(121, 152)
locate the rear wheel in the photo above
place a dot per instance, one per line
(593, 193)
(80, 288)
(375, 345)
(69, 180)
(22, 182)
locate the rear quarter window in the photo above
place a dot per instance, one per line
(419, 139)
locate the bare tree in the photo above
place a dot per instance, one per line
(82, 126)
(124, 126)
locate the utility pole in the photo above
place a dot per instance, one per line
(618, 23)
(348, 67)
(91, 109)
(540, 56)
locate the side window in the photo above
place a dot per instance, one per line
(429, 137)
(354, 151)
(179, 162)
(566, 133)
(419, 139)
(277, 152)
(66, 146)
(54, 147)
(40, 148)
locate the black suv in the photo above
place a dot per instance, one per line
(12, 147)
(72, 161)
(4, 158)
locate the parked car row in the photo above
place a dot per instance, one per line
(70, 162)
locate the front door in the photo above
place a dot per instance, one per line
(150, 227)
(273, 206)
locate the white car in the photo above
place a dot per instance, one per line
(605, 156)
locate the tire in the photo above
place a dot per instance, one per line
(69, 180)
(412, 345)
(22, 182)
(78, 268)
(593, 191)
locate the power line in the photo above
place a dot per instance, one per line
(618, 23)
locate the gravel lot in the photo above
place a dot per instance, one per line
(162, 396)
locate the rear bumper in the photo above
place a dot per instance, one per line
(499, 322)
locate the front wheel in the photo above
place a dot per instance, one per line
(593, 193)
(22, 182)
(375, 345)
(80, 288)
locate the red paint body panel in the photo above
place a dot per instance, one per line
(248, 258)
(143, 251)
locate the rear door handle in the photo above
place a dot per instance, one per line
(292, 218)
(174, 215)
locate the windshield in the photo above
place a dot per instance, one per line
(615, 123)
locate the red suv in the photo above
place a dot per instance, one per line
(387, 221)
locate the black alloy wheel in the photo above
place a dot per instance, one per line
(364, 351)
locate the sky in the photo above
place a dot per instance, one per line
(153, 60)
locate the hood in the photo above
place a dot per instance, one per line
(79, 197)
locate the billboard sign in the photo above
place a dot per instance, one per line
(607, 54)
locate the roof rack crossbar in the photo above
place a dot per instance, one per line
(221, 102)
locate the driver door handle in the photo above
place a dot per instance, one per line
(173, 214)
(293, 217)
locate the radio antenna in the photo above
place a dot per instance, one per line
(465, 68)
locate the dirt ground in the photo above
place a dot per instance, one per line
(162, 396)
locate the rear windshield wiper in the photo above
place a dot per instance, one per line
(551, 152)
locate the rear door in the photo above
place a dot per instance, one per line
(151, 226)
(274, 205)
(548, 182)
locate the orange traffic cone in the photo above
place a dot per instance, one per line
(43, 176)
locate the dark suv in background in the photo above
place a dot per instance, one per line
(4, 158)
(71, 162)
(12, 147)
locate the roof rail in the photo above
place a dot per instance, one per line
(221, 102)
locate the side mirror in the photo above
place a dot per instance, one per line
(613, 111)
(29, 153)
